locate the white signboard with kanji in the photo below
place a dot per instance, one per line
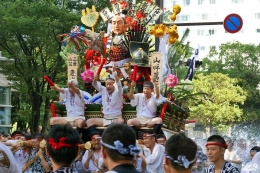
(72, 66)
(156, 67)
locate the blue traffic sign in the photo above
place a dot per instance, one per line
(233, 23)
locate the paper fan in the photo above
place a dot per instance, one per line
(88, 18)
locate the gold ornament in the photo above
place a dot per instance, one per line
(176, 9)
(90, 19)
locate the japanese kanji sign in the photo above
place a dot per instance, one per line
(156, 67)
(72, 66)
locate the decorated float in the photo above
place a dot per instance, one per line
(131, 48)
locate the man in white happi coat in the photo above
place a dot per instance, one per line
(74, 105)
(233, 154)
(112, 102)
(153, 154)
(146, 105)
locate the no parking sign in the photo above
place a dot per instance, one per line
(233, 23)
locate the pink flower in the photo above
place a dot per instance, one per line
(171, 80)
(87, 76)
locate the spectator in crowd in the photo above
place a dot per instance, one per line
(119, 148)
(180, 154)
(233, 154)
(253, 166)
(253, 151)
(9, 136)
(92, 157)
(21, 154)
(153, 153)
(15, 136)
(245, 154)
(201, 162)
(62, 148)
(216, 147)
(38, 161)
(2, 137)
(161, 139)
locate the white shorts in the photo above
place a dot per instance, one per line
(107, 120)
(72, 120)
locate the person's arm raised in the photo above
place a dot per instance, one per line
(58, 89)
(131, 92)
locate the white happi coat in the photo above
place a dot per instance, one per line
(147, 109)
(74, 105)
(112, 103)
(154, 160)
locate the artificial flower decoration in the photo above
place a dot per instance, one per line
(150, 1)
(189, 85)
(139, 15)
(76, 37)
(87, 76)
(103, 74)
(171, 80)
(123, 4)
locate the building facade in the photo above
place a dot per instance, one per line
(5, 103)
(212, 36)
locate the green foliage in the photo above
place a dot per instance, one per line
(240, 61)
(28, 36)
(166, 16)
(221, 106)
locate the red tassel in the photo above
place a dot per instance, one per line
(101, 66)
(164, 108)
(135, 72)
(53, 110)
(86, 66)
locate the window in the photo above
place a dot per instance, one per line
(200, 32)
(204, 16)
(212, 31)
(182, 18)
(237, 1)
(186, 2)
(258, 30)
(2, 95)
(200, 2)
(212, 1)
(212, 47)
(257, 15)
(202, 47)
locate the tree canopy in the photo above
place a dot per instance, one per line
(240, 61)
(221, 105)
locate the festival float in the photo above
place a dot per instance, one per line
(133, 52)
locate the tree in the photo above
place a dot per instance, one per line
(28, 35)
(240, 61)
(220, 107)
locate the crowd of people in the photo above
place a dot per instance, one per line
(117, 150)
